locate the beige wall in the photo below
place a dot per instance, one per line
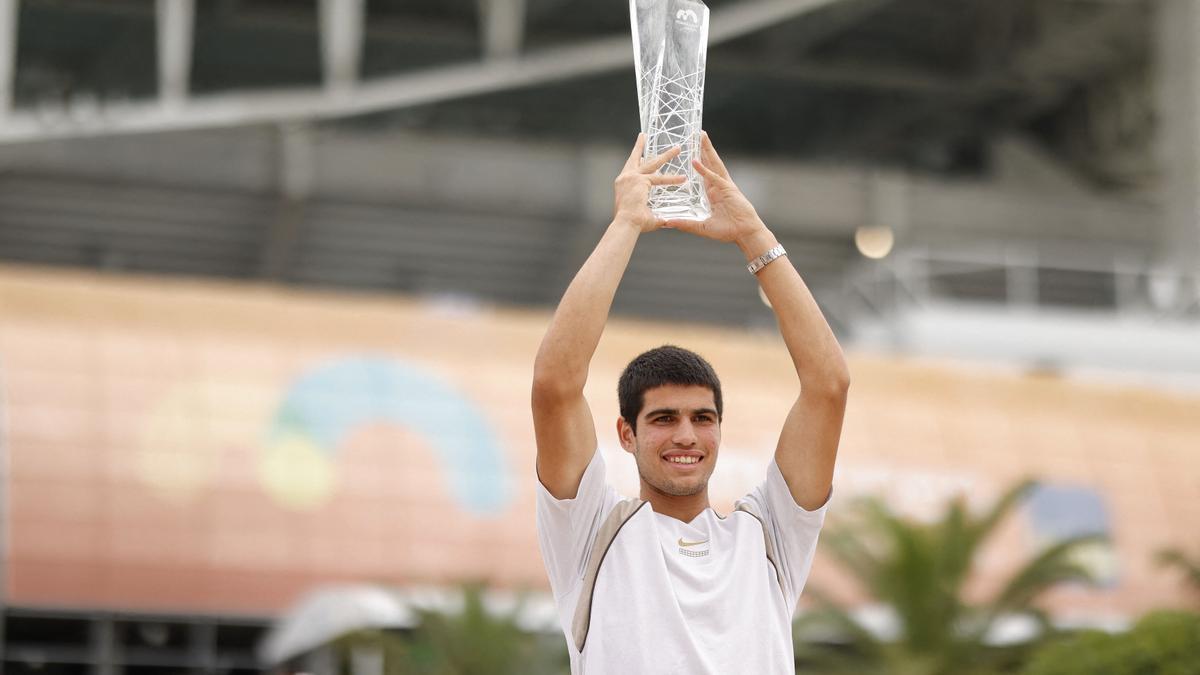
(153, 462)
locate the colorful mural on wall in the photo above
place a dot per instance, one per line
(300, 436)
(178, 446)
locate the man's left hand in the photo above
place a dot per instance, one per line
(733, 216)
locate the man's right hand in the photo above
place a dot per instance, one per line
(632, 187)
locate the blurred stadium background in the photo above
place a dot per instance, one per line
(272, 274)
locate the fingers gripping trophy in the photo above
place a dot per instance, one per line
(670, 44)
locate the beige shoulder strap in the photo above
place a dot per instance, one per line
(771, 558)
(617, 518)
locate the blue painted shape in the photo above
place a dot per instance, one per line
(331, 400)
(1061, 511)
(1058, 512)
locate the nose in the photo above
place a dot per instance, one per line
(685, 434)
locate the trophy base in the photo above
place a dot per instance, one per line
(681, 212)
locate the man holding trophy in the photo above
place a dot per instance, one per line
(663, 584)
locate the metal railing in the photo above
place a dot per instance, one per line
(1121, 283)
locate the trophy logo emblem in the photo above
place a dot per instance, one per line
(687, 15)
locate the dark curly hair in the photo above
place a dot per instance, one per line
(667, 364)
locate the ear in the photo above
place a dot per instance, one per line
(626, 435)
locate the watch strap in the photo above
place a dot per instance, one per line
(761, 261)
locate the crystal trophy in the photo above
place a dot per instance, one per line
(670, 43)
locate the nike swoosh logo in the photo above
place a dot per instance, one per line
(685, 544)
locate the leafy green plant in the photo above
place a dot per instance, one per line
(1190, 567)
(475, 642)
(920, 571)
(471, 641)
(388, 645)
(1162, 643)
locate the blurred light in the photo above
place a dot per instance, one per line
(1163, 288)
(154, 634)
(1045, 368)
(50, 113)
(453, 304)
(84, 107)
(874, 242)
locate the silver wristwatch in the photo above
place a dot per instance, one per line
(762, 260)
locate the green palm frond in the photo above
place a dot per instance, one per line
(388, 645)
(847, 546)
(920, 570)
(958, 546)
(829, 640)
(829, 616)
(984, 526)
(1176, 558)
(476, 641)
(1051, 567)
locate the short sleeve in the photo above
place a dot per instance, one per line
(793, 530)
(567, 527)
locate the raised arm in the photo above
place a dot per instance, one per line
(562, 421)
(808, 443)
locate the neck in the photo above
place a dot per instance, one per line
(683, 508)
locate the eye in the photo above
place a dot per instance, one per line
(664, 419)
(705, 419)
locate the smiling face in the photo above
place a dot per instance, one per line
(675, 445)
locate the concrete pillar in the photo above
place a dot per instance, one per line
(175, 18)
(8, 54)
(1178, 81)
(341, 43)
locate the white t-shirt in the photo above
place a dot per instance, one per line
(675, 597)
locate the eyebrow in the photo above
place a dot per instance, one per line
(675, 411)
